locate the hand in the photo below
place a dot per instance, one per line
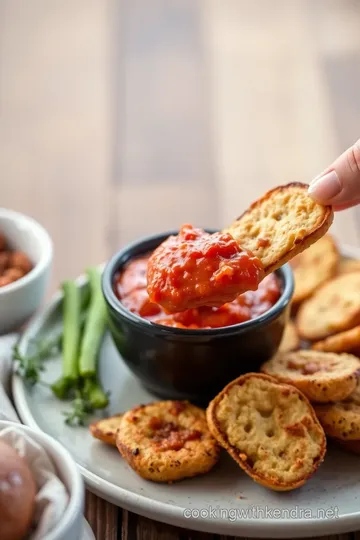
(339, 184)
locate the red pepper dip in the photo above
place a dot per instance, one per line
(130, 287)
(196, 269)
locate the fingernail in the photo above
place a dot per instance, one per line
(326, 187)
(316, 178)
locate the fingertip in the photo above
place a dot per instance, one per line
(325, 188)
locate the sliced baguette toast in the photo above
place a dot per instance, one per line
(166, 441)
(106, 429)
(290, 340)
(270, 429)
(322, 376)
(347, 341)
(348, 266)
(341, 420)
(314, 267)
(281, 224)
(334, 307)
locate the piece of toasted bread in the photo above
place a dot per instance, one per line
(106, 429)
(290, 340)
(348, 266)
(341, 420)
(270, 429)
(167, 441)
(281, 224)
(335, 307)
(314, 267)
(346, 341)
(322, 377)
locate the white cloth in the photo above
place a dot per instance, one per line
(52, 497)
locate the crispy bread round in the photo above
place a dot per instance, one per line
(342, 342)
(270, 429)
(167, 441)
(333, 308)
(347, 266)
(322, 377)
(313, 267)
(106, 429)
(281, 224)
(341, 420)
(290, 340)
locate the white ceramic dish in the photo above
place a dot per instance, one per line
(19, 300)
(87, 532)
(226, 501)
(71, 524)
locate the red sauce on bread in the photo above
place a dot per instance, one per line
(196, 269)
(130, 287)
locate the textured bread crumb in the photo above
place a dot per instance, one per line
(106, 429)
(270, 429)
(283, 223)
(313, 267)
(147, 440)
(321, 376)
(347, 341)
(333, 308)
(342, 419)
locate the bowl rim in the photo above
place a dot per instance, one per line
(113, 265)
(45, 241)
(77, 489)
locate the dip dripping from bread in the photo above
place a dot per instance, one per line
(196, 268)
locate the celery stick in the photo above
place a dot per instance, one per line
(61, 388)
(95, 394)
(71, 330)
(95, 326)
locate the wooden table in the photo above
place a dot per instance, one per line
(125, 117)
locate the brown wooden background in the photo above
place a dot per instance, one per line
(120, 118)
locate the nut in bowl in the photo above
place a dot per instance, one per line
(25, 263)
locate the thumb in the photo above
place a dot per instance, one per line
(339, 184)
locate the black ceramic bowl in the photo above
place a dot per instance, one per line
(176, 363)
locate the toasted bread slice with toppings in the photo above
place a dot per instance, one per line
(347, 341)
(341, 420)
(335, 307)
(106, 429)
(270, 429)
(290, 340)
(167, 441)
(348, 266)
(314, 267)
(281, 224)
(321, 376)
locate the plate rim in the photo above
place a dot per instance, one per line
(168, 513)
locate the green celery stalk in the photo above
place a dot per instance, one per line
(71, 330)
(95, 326)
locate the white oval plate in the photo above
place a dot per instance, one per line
(225, 501)
(87, 532)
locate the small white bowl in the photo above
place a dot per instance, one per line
(19, 300)
(70, 525)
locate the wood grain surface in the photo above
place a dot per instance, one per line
(119, 118)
